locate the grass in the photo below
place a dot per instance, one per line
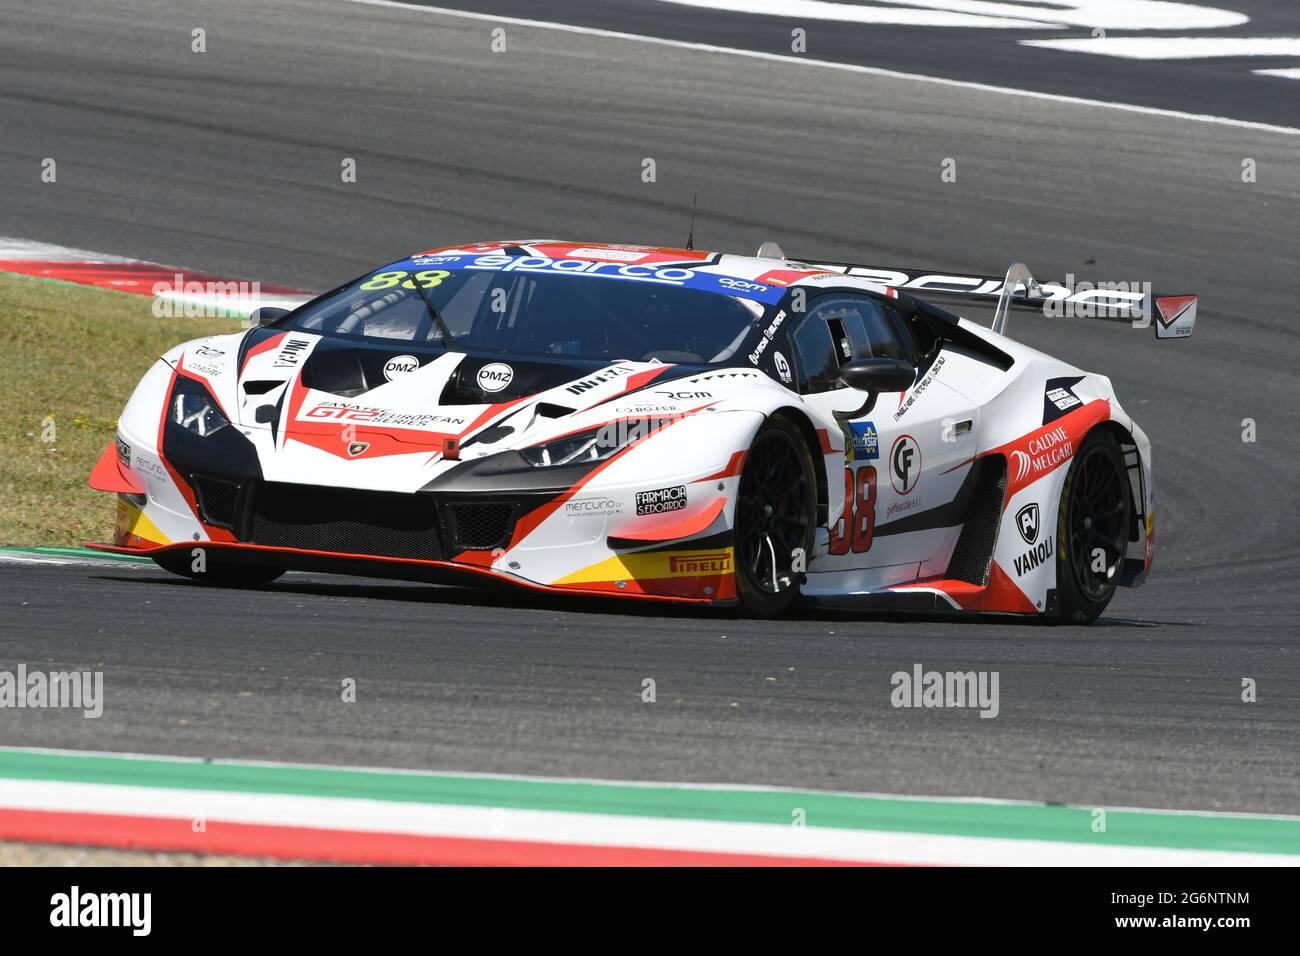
(70, 356)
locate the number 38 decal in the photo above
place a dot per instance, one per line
(855, 527)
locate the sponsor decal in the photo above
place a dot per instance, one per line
(357, 448)
(1059, 397)
(700, 562)
(123, 451)
(1034, 557)
(661, 500)
(495, 376)
(768, 334)
(400, 365)
(614, 255)
(920, 387)
(741, 285)
(1041, 454)
(684, 396)
(291, 353)
(782, 367)
(663, 410)
(149, 466)
(592, 507)
(647, 271)
(1174, 309)
(610, 270)
(861, 443)
(902, 507)
(1062, 398)
(904, 464)
(208, 352)
(600, 378)
(202, 368)
(1027, 522)
(377, 416)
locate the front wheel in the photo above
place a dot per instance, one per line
(776, 508)
(1092, 529)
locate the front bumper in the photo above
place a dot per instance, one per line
(367, 565)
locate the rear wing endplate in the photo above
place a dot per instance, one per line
(1135, 303)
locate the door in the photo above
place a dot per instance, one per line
(905, 459)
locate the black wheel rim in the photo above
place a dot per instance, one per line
(771, 512)
(1097, 519)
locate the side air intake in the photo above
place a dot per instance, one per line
(974, 552)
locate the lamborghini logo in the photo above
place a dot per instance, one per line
(358, 448)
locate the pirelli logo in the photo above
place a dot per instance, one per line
(700, 562)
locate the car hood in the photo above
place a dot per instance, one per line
(364, 400)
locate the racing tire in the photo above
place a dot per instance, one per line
(1094, 516)
(776, 510)
(219, 573)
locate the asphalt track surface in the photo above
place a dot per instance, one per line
(229, 161)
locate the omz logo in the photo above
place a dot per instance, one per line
(700, 562)
(399, 366)
(494, 377)
(1027, 522)
(1034, 557)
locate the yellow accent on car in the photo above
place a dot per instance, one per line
(134, 527)
(648, 566)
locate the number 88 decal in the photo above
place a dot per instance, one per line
(854, 529)
(429, 278)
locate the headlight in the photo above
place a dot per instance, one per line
(591, 445)
(595, 444)
(193, 409)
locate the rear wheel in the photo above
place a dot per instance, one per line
(216, 571)
(1092, 529)
(776, 507)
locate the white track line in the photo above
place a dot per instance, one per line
(1174, 48)
(594, 829)
(26, 249)
(845, 67)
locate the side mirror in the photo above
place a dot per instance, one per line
(875, 375)
(266, 315)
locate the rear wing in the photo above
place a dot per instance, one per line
(1131, 302)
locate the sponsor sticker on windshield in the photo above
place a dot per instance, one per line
(602, 268)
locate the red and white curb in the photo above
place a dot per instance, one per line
(177, 291)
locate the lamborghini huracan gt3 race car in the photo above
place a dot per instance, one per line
(665, 424)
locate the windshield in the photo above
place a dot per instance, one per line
(538, 314)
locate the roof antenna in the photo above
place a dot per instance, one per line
(690, 236)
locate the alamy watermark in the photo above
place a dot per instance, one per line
(1092, 300)
(178, 298)
(922, 688)
(76, 690)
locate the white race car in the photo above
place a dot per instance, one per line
(663, 424)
